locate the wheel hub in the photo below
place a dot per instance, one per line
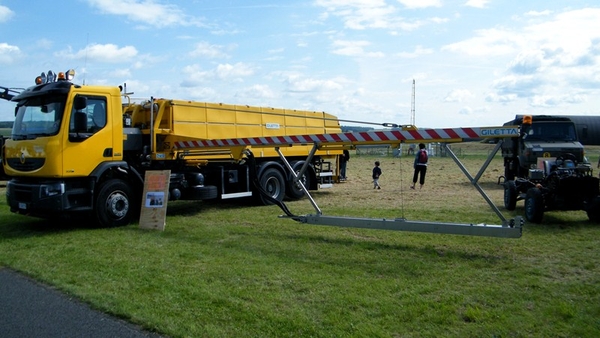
(117, 205)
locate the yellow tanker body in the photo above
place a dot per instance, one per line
(177, 120)
(79, 150)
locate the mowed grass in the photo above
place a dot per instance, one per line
(233, 269)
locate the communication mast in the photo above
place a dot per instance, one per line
(412, 105)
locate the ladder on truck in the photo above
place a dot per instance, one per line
(509, 228)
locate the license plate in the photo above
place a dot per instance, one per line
(22, 206)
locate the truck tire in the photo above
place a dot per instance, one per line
(510, 195)
(273, 184)
(114, 204)
(293, 190)
(534, 205)
(593, 211)
(207, 192)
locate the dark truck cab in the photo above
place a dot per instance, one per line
(546, 166)
(541, 137)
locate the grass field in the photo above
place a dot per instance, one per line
(231, 269)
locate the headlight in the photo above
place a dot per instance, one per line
(47, 190)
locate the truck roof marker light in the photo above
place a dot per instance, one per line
(51, 77)
(70, 75)
(39, 80)
(527, 119)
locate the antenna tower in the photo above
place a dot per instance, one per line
(412, 105)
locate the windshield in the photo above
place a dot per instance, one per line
(552, 131)
(38, 116)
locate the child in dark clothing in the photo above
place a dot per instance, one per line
(376, 174)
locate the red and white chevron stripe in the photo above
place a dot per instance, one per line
(357, 138)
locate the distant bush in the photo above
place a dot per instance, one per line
(6, 124)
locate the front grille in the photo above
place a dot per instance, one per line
(30, 164)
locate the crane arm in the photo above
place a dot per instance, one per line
(510, 228)
(392, 137)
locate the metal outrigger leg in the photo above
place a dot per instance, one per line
(508, 229)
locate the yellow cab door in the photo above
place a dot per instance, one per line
(89, 141)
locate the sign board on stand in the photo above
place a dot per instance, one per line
(154, 200)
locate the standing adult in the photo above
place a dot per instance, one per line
(343, 163)
(420, 166)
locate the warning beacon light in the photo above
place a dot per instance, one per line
(53, 77)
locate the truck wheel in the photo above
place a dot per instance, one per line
(510, 195)
(207, 192)
(593, 210)
(293, 190)
(114, 204)
(273, 184)
(534, 205)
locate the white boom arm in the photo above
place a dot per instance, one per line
(392, 137)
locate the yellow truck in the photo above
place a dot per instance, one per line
(80, 150)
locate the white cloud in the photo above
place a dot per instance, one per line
(108, 53)
(477, 3)
(332, 4)
(44, 44)
(8, 53)
(549, 58)
(494, 97)
(195, 75)
(147, 12)
(571, 31)
(556, 100)
(465, 111)
(353, 48)
(528, 62)
(458, 95)
(258, 91)
(240, 69)
(538, 13)
(489, 42)
(121, 73)
(419, 51)
(375, 14)
(421, 3)
(299, 83)
(5, 13)
(205, 49)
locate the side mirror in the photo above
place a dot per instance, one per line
(80, 102)
(80, 122)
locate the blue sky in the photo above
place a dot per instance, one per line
(474, 62)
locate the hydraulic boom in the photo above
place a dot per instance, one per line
(509, 228)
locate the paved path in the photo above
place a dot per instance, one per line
(30, 309)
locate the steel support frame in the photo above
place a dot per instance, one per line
(508, 229)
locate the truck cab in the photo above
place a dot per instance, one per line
(541, 137)
(63, 139)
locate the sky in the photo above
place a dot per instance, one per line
(474, 63)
